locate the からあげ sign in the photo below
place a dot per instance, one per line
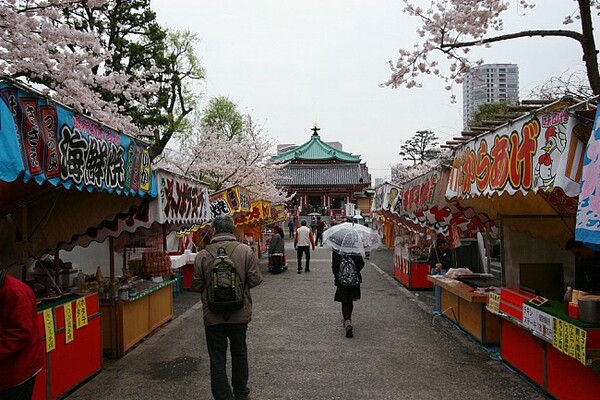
(534, 153)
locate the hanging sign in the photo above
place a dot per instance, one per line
(81, 317)
(538, 152)
(49, 330)
(50, 143)
(418, 193)
(68, 311)
(230, 201)
(182, 200)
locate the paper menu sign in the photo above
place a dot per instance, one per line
(81, 317)
(538, 322)
(49, 330)
(68, 311)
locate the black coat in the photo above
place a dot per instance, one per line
(443, 257)
(346, 294)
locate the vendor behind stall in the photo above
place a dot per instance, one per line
(587, 266)
(440, 257)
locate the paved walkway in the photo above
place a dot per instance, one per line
(298, 350)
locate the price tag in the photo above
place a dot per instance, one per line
(580, 346)
(49, 329)
(558, 334)
(494, 303)
(68, 309)
(81, 318)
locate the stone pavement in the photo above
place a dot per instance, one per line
(297, 347)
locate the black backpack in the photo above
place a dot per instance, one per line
(225, 285)
(348, 275)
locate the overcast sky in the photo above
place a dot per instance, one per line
(291, 64)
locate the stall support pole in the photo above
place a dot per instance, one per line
(24, 240)
(57, 268)
(164, 238)
(113, 295)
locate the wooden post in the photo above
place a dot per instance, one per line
(57, 269)
(24, 241)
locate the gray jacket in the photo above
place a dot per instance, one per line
(245, 262)
(276, 245)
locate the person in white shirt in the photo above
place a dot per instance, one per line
(303, 240)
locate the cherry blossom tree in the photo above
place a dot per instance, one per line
(242, 160)
(402, 173)
(61, 61)
(451, 28)
(108, 59)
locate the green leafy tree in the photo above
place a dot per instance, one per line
(420, 148)
(488, 111)
(163, 61)
(222, 116)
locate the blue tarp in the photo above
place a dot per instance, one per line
(48, 142)
(587, 229)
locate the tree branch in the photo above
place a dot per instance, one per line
(542, 33)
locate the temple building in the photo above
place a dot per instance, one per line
(325, 179)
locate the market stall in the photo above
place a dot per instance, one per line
(60, 173)
(527, 174)
(140, 299)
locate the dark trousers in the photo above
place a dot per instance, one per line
(319, 239)
(216, 341)
(291, 233)
(303, 250)
(24, 391)
(277, 263)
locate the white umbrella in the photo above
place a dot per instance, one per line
(350, 238)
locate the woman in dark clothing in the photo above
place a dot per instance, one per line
(346, 294)
(276, 250)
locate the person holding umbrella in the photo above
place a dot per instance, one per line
(349, 242)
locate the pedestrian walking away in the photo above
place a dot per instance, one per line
(291, 227)
(225, 262)
(276, 250)
(303, 241)
(319, 227)
(347, 279)
(21, 347)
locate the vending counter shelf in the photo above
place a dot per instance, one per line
(459, 303)
(567, 364)
(126, 322)
(68, 364)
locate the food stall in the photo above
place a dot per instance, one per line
(60, 173)
(527, 174)
(140, 300)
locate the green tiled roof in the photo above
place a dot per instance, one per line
(316, 150)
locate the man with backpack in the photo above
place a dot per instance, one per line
(224, 272)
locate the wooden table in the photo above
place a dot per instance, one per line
(461, 304)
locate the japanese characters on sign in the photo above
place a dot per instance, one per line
(81, 317)
(229, 201)
(387, 198)
(182, 200)
(418, 193)
(49, 330)
(68, 311)
(534, 153)
(49, 142)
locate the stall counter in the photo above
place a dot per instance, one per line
(68, 364)
(459, 303)
(411, 272)
(126, 322)
(561, 375)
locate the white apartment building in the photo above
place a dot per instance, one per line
(489, 83)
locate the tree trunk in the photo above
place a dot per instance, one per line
(588, 45)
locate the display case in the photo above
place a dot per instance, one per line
(411, 267)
